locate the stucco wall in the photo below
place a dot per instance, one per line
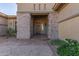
(3, 25)
(70, 10)
(69, 22)
(29, 7)
(69, 29)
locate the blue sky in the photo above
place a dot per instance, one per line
(8, 8)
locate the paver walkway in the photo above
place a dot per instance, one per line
(15, 47)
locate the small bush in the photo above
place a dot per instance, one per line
(11, 32)
(57, 42)
(71, 48)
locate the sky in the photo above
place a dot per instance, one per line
(8, 8)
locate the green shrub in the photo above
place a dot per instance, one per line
(71, 48)
(11, 32)
(57, 42)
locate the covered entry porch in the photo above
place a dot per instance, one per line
(31, 24)
(39, 25)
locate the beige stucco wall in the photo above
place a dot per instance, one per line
(3, 25)
(70, 10)
(29, 7)
(3, 20)
(69, 27)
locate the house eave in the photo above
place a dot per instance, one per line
(59, 6)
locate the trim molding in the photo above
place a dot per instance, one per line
(73, 16)
(35, 11)
(12, 17)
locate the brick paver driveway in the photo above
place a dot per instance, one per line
(15, 47)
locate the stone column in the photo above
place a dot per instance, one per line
(23, 25)
(52, 26)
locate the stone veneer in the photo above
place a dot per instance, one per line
(23, 25)
(53, 26)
